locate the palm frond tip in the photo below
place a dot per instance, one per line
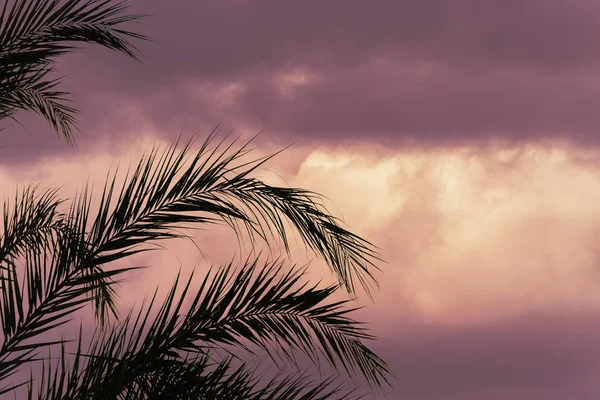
(181, 188)
(34, 32)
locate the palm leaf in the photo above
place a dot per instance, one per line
(196, 378)
(34, 32)
(175, 189)
(169, 190)
(28, 223)
(258, 304)
(55, 283)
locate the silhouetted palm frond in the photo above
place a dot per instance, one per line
(63, 257)
(177, 188)
(56, 256)
(171, 352)
(54, 283)
(197, 378)
(34, 32)
(27, 224)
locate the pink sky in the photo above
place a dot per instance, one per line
(459, 136)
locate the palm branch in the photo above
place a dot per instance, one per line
(198, 378)
(56, 256)
(166, 191)
(176, 189)
(34, 32)
(145, 358)
(27, 224)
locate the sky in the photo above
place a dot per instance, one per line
(461, 137)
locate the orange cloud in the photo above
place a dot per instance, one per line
(469, 234)
(472, 235)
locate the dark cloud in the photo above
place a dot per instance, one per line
(224, 39)
(540, 356)
(432, 71)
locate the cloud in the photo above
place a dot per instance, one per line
(491, 276)
(550, 355)
(513, 228)
(491, 287)
(459, 137)
(416, 72)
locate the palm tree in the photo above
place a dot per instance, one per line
(34, 32)
(59, 255)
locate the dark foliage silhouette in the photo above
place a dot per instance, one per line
(60, 255)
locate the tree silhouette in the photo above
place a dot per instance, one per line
(59, 255)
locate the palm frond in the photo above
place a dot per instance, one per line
(49, 103)
(34, 32)
(264, 305)
(55, 283)
(28, 223)
(176, 189)
(63, 269)
(260, 305)
(206, 379)
(196, 378)
(58, 378)
(299, 386)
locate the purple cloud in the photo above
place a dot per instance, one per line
(431, 72)
(413, 72)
